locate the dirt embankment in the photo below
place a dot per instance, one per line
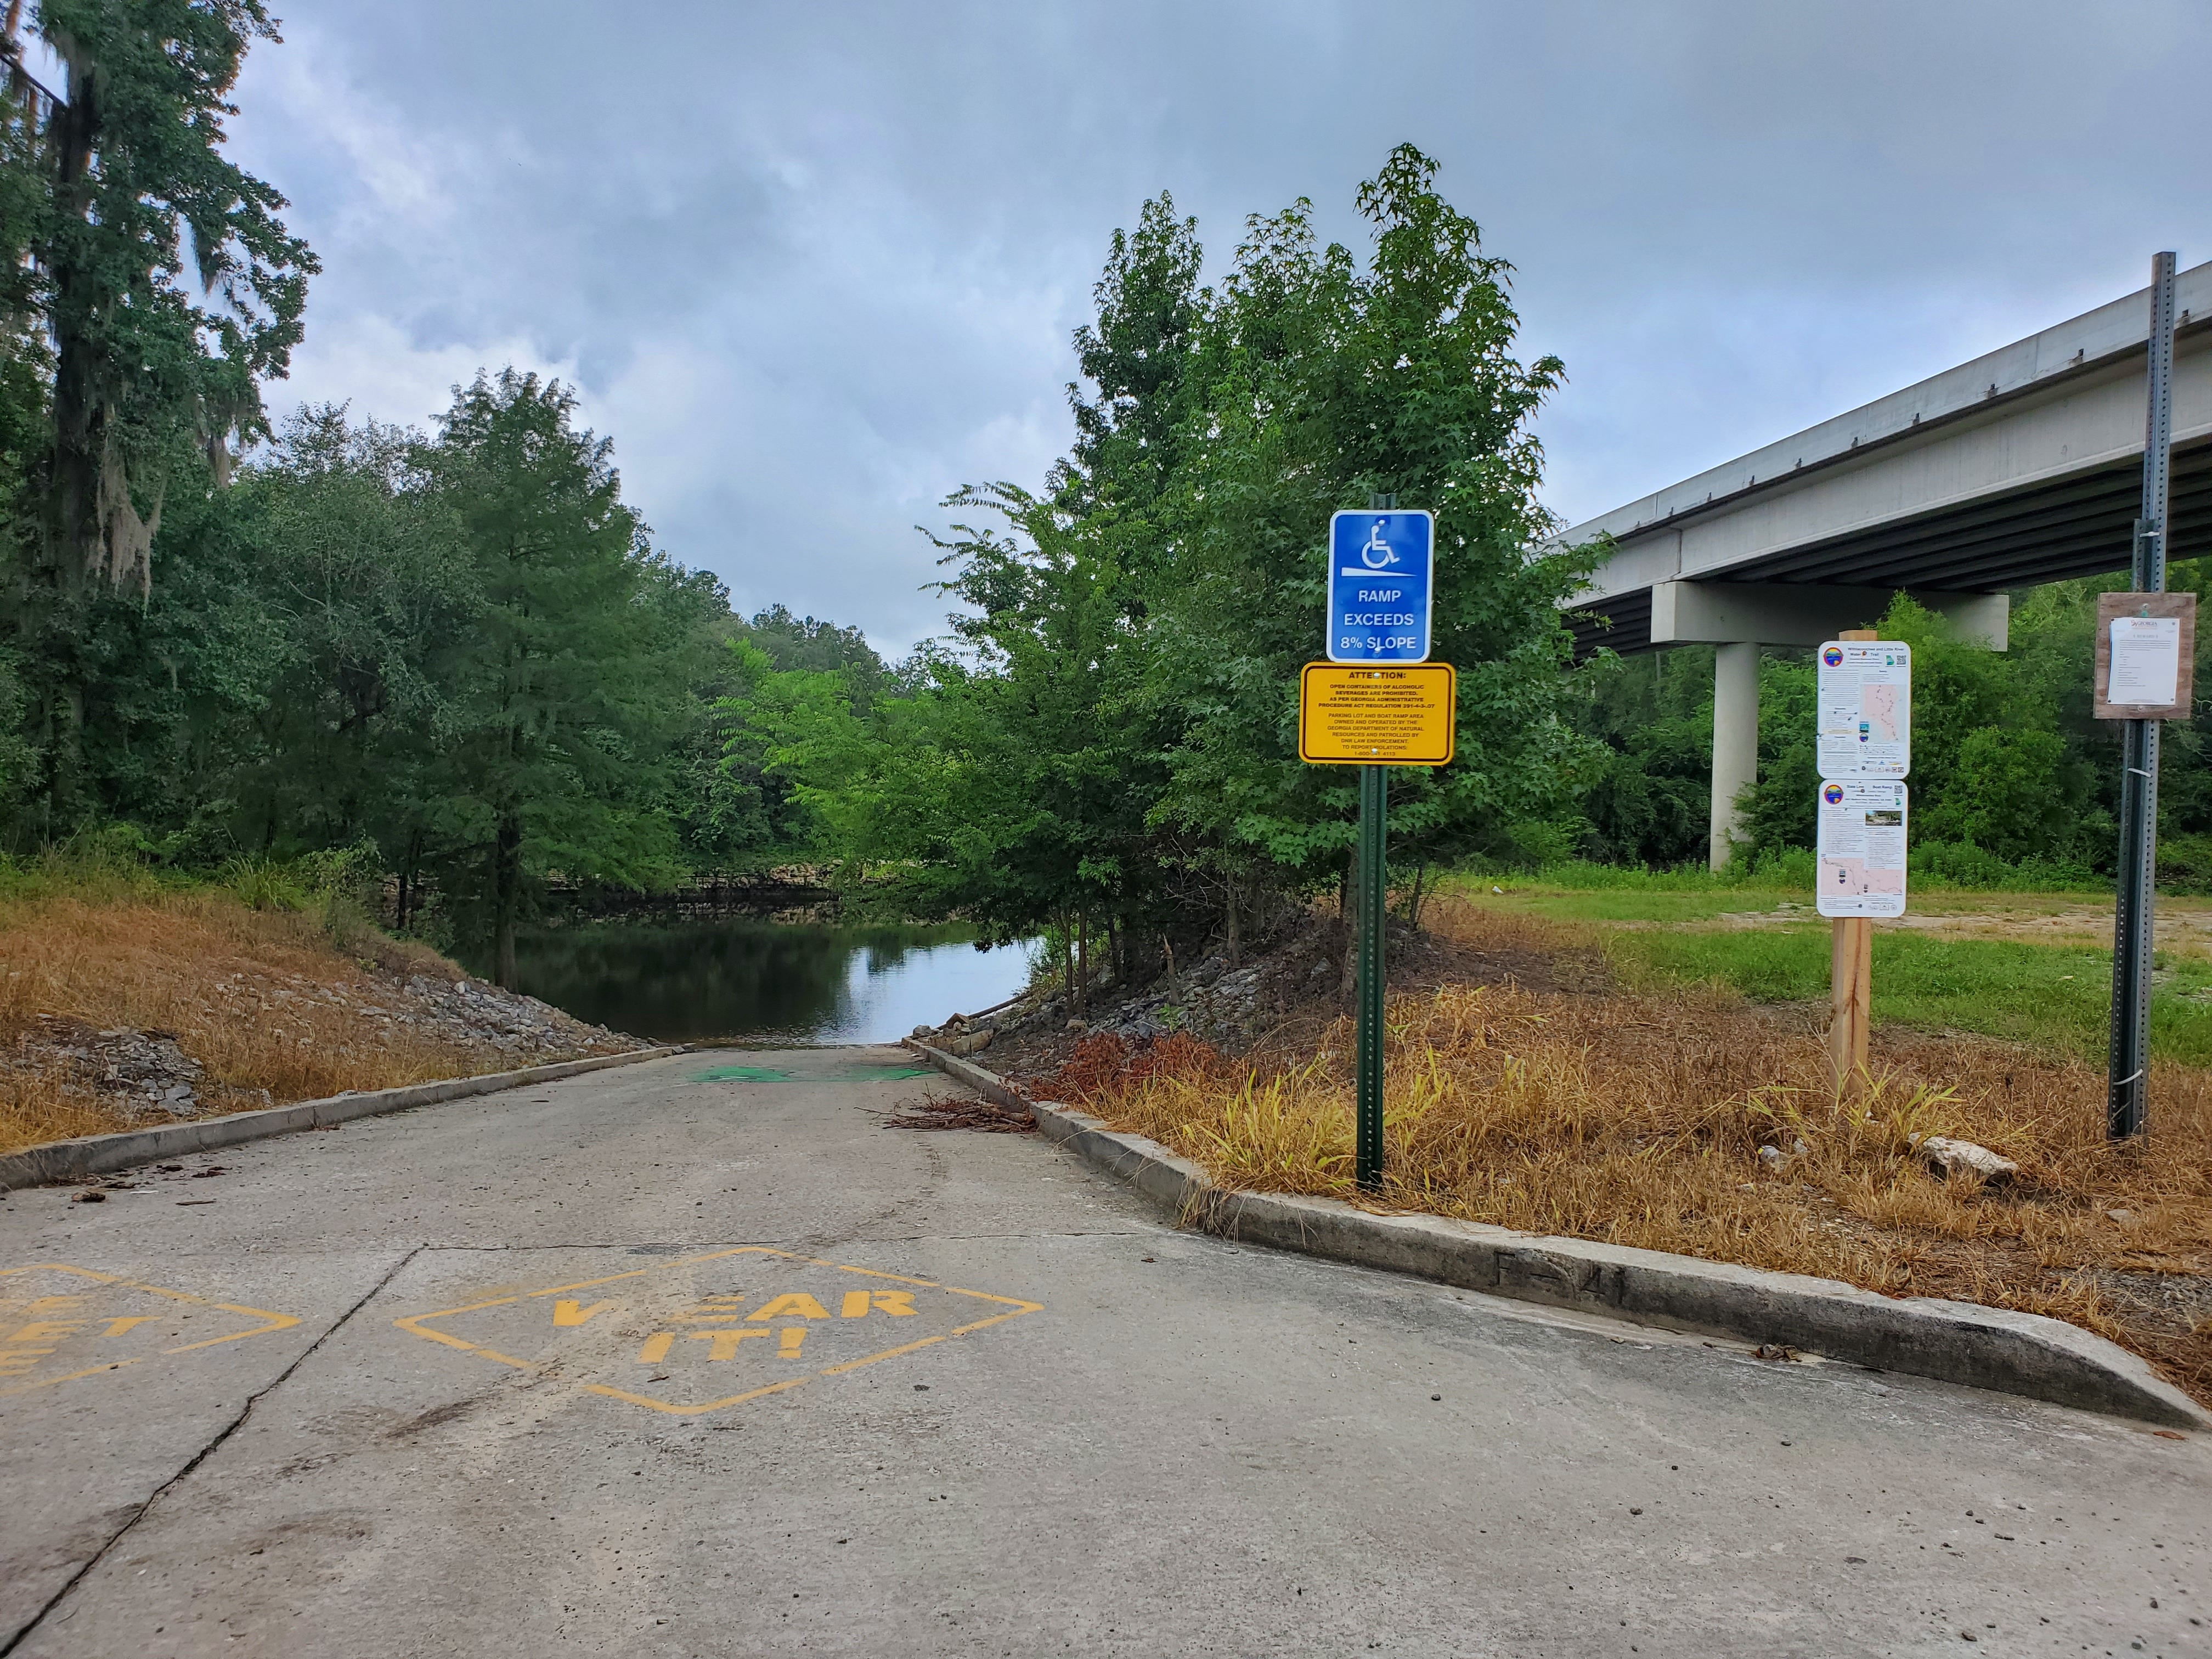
(117, 1013)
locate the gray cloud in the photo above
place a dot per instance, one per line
(812, 267)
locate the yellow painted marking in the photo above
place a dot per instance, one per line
(506, 1359)
(723, 1306)
(1020, 1308)
(674, 1410)
(888, 1354)
(412, 1323)
(895, 1279)
(48, 1330)
(435, 1336)
(271, 1322)
(726, 1341)
(857, 1303)
(572, 1312)
(117, 1327)
(792, 1304)
(1013, 1302)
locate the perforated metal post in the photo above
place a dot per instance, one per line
(2127, 1103)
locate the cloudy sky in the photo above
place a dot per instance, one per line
(812, 267)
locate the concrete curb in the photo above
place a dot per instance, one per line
(92, 1155)
(1963, 1342)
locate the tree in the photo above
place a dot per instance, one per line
(366, 570)
(1114, 744)
(1323, 384)
(560, 696)
(137, 189)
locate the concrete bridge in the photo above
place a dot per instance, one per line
(2020, 467)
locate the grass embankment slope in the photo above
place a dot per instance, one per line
(1633, 1106)
(295, 998)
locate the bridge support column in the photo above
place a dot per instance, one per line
(1735, 738)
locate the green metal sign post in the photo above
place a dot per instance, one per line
(1376, 702)
(1374, 846)
(1373, 861)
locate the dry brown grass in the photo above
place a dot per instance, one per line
(36, 1107)
(1639, 1119)
(263, 999)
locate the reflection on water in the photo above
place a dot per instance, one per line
(709, 981)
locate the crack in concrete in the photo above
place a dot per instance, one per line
(29, 1625)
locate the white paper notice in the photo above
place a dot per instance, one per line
(1865, 710)
(2146, 660)
(1862, 849)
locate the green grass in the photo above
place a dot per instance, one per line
(2050, 995)
(1596, 892)
(2055, 996)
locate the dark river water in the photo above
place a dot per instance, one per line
(757, 981)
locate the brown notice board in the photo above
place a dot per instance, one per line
(2178, 607)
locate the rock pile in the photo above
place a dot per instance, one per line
(470, 1011)
(143, 1075)
(1208, 1002)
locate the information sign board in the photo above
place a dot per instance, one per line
(1861, 847)
(1377, 716)
(2146, 656)
(1380, 587)
(1864, 709)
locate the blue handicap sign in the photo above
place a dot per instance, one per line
(1380, 566)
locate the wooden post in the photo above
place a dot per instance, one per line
(1851, 980)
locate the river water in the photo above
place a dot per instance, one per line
(757, 981)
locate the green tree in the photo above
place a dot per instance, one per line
(1112, 747)
(1648, 798)
(552, 741)
(1324, 383)
(138, 197)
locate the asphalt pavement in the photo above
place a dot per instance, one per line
(697, 1356)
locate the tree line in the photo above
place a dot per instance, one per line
(461, 653)
(457, 655)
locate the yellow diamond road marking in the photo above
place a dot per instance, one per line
(59, 1323)
(693, 1335)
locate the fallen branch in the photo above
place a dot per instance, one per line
(958, 1112)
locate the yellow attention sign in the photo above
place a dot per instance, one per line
(707, 1332)
(1402, 715)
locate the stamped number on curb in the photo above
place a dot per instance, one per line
(705, 1332)
(58, 1324)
